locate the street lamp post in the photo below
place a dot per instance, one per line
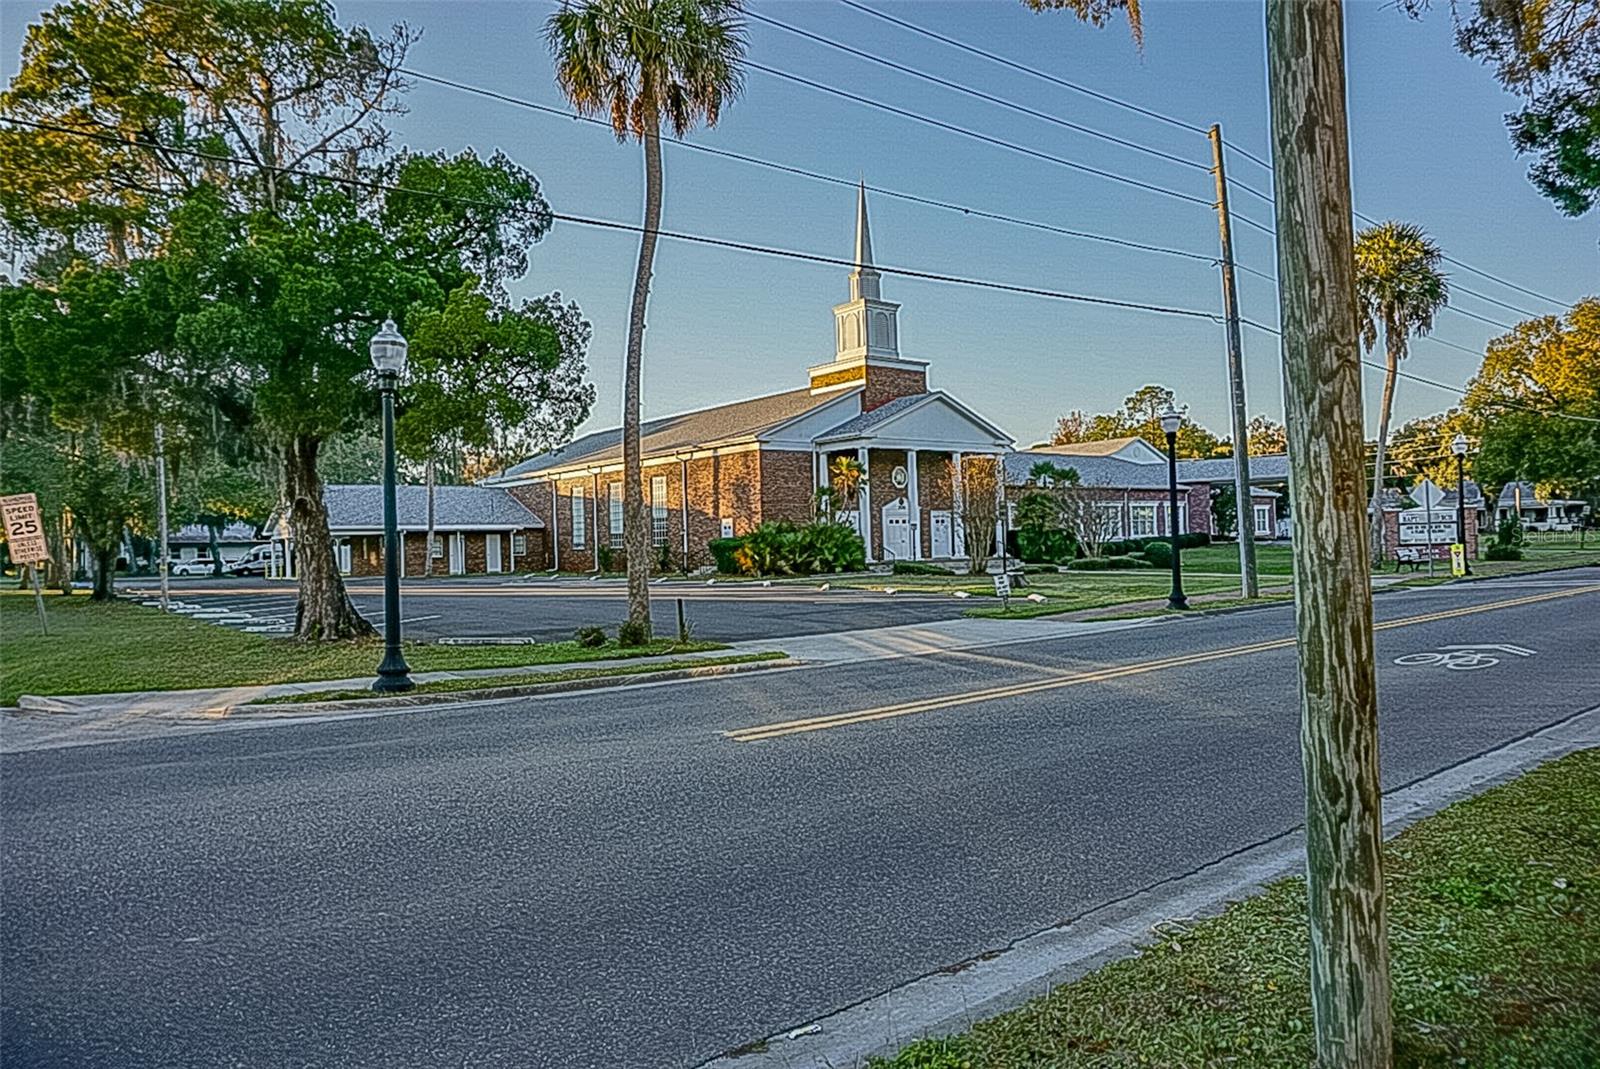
(1458, 446)
(1171, 420)
(388, 351)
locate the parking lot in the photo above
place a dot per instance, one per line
(551, 609)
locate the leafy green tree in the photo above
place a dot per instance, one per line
(1140, 417)
(1547, 52)
(1267, 437)
(1420, 449)
(642, 64)
(496, 381)
(1401, 289)
(1546, 364)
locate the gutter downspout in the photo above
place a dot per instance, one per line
(555, 531)
(594, 479)
(683, 483)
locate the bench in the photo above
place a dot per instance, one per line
(1417, 556)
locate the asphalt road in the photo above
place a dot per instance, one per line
(554, 609)
(608, 879)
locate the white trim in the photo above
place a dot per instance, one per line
(913, 506)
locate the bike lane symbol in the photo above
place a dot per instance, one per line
(1464, 658)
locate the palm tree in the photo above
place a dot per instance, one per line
(846, 476)
(1400, 288)
(642, 63)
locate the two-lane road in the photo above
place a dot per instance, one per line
(651, 876)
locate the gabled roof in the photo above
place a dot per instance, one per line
(1131, 448)
(359, 507)
(1113, 473)
(1530, 499)
(721, 424)
(1267, 468)
(198, 534)
(881, 420)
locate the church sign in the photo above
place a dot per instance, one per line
(1427, 527)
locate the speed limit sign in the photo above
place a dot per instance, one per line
(24, 532)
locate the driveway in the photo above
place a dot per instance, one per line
(553, 609)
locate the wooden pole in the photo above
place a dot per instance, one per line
(1249, 585)
(1350, 993)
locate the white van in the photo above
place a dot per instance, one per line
(256, 561)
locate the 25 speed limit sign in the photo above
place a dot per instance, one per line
(23, 530)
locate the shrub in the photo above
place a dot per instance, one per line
(591, 637)
(916, 567)
(723, 551)
(1100, 564)
(1509, 533)
(605, 556)
(1159, 554)
(633, 634)
(786, 549)
(664, 558)
(1191, 539)
(1500, 551)
(1045, 545)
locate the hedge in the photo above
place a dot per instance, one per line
(788, 549)
(1100, 564)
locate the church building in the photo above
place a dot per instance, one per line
(722, 471)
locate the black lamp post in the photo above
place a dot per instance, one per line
(1171, 420)
(1458, 446)
(388, 351)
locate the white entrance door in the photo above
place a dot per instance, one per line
(458, 553)
(491, 552)
(344, 558)
(897, 530)
(939, 532)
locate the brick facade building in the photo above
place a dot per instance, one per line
(725, 470)
(478, 530)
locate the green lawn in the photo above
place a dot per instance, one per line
(95, 649)
(491, 685)
(1494, 929)
(1272, 558)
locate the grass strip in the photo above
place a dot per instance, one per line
(489, 685)
(102, 648)
(1494, 934)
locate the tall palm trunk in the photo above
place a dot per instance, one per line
(1393, 346)
(635, 519)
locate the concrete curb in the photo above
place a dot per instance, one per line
(294, 710)
(957, 996)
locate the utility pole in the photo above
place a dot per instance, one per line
(161, 508)
(1249, 586)
(1350, 988)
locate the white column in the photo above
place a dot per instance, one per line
(864, 501)
(958, 537)
(911, 502)
(555, 532)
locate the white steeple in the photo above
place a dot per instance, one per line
(865, 325)
(864, 281)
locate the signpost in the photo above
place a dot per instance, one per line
(1002, 590)
(25, 535)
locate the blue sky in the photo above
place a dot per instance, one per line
(1427, 138)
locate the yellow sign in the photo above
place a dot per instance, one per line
(24, 532)
(1458, 559)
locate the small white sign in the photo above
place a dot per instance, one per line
(24, 532)
(1002, 586)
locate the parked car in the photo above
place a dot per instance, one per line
(193, 566)
(256, 561)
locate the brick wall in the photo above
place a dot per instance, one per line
(886, 383)
(934, 492)
(366, 553)
(786, 486)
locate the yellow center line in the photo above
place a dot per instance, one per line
(759, 732)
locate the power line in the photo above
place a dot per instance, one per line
(978, 93)
(1025, 69)
(607, 224)
(913, 198)
(1169, 120)
(1436, 384)
(978, 135)
(763, 250)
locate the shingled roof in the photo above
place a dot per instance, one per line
(359, 507)
(1111, 472)
(702, 428)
